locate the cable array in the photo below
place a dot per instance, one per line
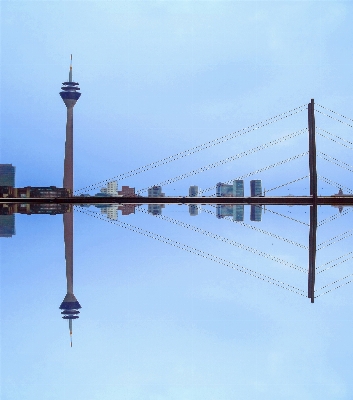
(335, 184)
(334, 112)
(228, 159)
(335, 161)
(336, 119)
(258, 170)
(288, 183)
(198, 148)
(337, 137)
(335, 216)
(319, 271)
(200, 253)
(285, 216)
(228, 241)
(338, 280)
(332, 241)
(261, 231)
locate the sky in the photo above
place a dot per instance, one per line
(158, 78)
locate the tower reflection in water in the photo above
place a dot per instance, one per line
(70, 95)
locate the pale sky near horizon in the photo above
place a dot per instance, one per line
(157, 78)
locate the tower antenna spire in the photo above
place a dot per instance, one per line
(70, 328)
(70, 73)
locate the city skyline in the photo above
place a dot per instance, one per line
(167, 311)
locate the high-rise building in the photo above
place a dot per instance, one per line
(224, 190)
(111, 189)
(238, 188)
(7, 175)
(255, 191)
(255, 188)
(234, 190)
(194, 209)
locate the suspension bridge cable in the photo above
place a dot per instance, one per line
(334, 112)
(198, 148)
(335, 161)
(285, 216)
(333, 140)
(332, 283)
(335, 216)
(254, 228)
(226, 160)
(332, 241)
(258, 171)
(200, 253)
(288, 183)
(331, 290)
(228, 241)
(335, 184)
(321, 269)
(336, 119)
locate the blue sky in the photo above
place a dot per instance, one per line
(157, 78)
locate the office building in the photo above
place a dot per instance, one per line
(110, 189)
(256, 191)
(155, 191)
(255, 188)
(194, 209)
(230, 210)
(7, 175)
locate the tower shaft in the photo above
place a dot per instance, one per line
(69, 249)
(69, 151)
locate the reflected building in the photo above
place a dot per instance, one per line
(36, 192)
(194, 209)
(7, 223)
(7, 216)
(230, 210)
(255, 191)
(111, 190)
(155, 191)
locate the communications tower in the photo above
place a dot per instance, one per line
(70, 305)
(70, 95)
